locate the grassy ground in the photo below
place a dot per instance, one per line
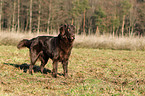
(92, 72)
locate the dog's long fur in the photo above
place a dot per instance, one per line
(45, 47)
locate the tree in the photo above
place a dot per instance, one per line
(112, 17)
(140, 20)
(97, 20)
(39, 11)
(80, 7)
(84, 6)
(132, 17)
(30, 25)
(13, 20)
(115, 24)
(18, 16)
(125, 6)
(1, 3)
(89, 16)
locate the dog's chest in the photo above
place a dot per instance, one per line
(63, 56)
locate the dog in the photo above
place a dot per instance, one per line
(56, 48)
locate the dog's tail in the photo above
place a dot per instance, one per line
(24, 43)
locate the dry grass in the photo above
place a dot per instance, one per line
(110, 42)
(101, 42)
(12, 38)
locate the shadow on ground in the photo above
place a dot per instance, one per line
(25, 68)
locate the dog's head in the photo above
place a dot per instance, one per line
(67, 32)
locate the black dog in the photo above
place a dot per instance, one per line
(57, 48)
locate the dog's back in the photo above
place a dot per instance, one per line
(27, 43)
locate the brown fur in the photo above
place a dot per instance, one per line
(56, 48)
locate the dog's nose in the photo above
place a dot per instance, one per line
(73, 37)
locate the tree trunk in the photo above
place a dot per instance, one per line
(113, 30)
(89, 31)
(39, 18)
(129, 31)
(90, 24)
(13, 24)
(78, 26)
(1, 3)
(72, 21)
(27, 22)
(18, 16)
(123, 23)
(30, 25)
(132, 31)
(84, 23)
(97, 30)
(49, 17)
(117, 31)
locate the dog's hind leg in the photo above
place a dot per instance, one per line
(44, 60)
(54, 71)
(33, 56)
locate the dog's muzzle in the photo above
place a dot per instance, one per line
(71, 38)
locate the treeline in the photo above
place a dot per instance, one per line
(116, 17)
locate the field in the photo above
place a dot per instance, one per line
(91, 72)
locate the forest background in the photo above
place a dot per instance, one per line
(115, 17)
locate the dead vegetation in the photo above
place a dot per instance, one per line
(91, 41)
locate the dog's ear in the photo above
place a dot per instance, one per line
(62, 29)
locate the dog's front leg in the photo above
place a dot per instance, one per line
(30, 69)
(54, 71)
(65, 68)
